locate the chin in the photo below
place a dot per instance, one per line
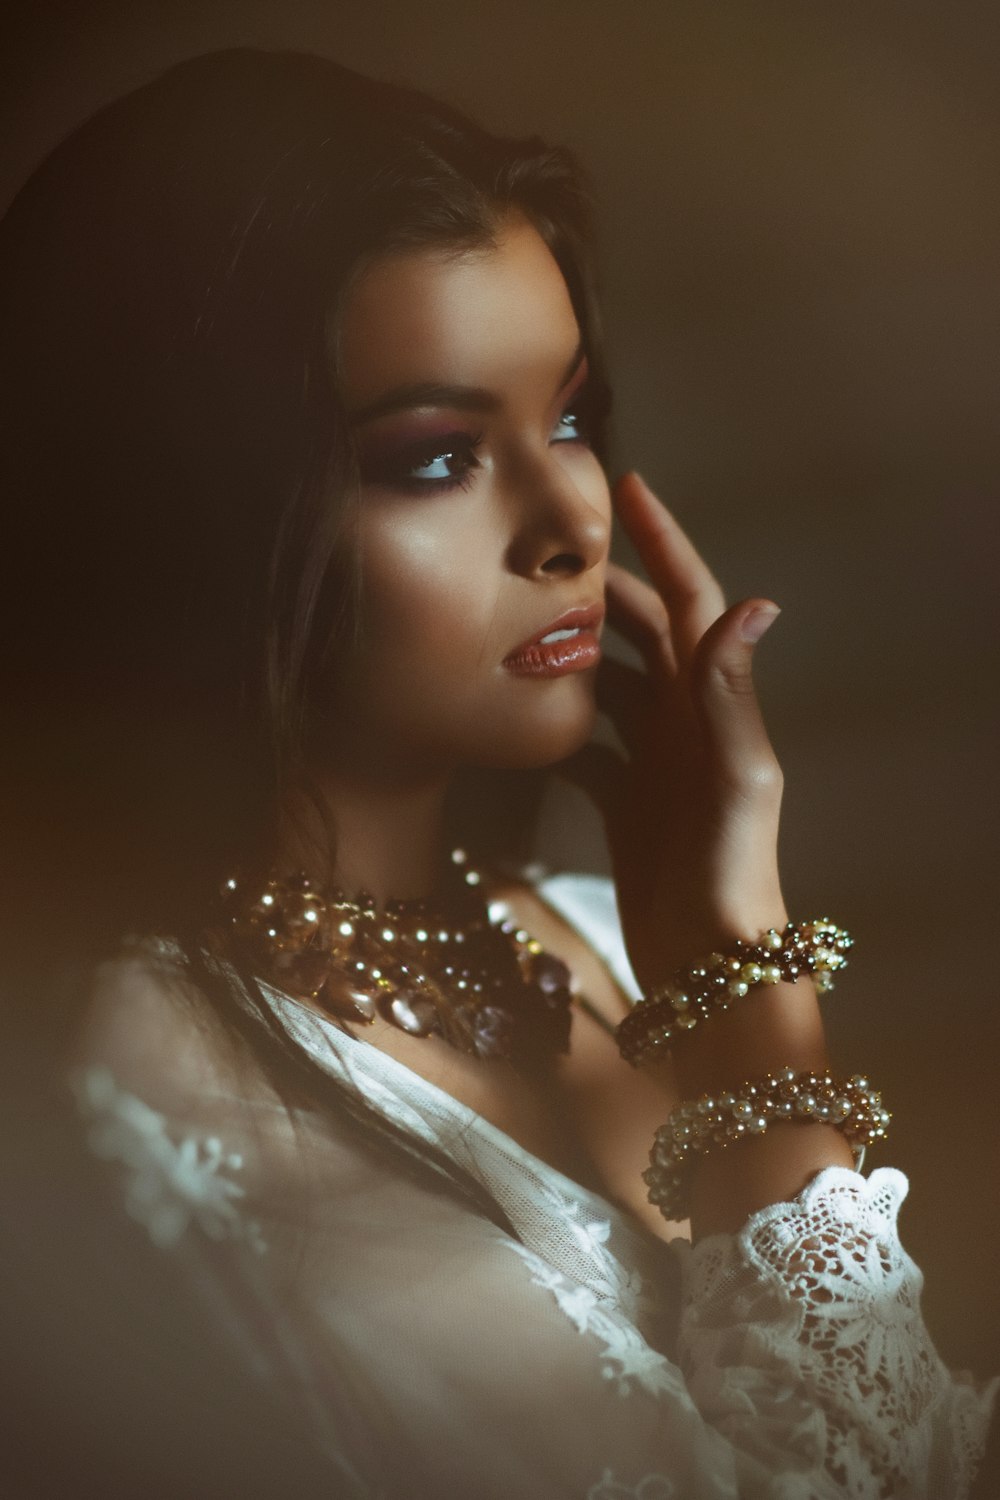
(530, 742)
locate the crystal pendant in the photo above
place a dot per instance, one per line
(301, 971)
(549, 973)
(412, 1013)
(492, 1031)
(345, 997)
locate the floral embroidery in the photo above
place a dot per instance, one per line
(613, 1283)
(653, 1487)
(626, 1359)
(169, 1186)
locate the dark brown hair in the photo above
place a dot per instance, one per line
(179, 478)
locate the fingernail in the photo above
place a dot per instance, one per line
(757, 622)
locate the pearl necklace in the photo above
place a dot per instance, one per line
(429, 968)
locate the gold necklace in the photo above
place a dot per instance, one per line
(429, 967)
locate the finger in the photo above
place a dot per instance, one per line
(638, 612)
(624, 694)
(726, 700)
(679, 573)
(600, 772)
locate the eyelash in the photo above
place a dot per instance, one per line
(455, 445)
(464, 445)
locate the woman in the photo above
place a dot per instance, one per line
(307, 445)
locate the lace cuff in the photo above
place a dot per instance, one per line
(816, 1305)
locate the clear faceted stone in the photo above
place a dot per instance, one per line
(549, 973)
(346, 998)
(492, 1027)
(412, 1013)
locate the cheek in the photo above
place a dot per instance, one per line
(430, 588)
(437, 619)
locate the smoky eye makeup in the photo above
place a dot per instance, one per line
(421, 457)
(437, 461)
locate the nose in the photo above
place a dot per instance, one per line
(564, 527)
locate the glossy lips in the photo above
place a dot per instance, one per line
(573, 652)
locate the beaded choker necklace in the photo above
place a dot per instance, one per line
(431, 968)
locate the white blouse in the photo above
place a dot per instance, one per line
(439, 1355)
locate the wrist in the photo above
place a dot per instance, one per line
(696, 929)
(779, 1024)
(667, 1018)
(691, 1174)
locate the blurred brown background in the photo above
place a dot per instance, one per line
(799, 226)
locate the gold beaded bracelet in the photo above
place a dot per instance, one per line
(699, 1125)
(655, 1022)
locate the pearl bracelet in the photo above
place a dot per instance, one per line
(653, 1025)
(697, 1126)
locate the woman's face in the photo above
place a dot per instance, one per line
(485, 515)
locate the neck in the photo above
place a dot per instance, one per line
(389, 835)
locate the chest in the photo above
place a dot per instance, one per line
(592, 1117)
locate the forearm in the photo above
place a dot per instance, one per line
(775, 1027)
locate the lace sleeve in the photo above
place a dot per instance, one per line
(809, 1320)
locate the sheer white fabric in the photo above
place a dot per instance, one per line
(579, 1357)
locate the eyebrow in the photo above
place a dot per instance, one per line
(462, 397)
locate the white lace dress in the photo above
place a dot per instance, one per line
(582, 1357)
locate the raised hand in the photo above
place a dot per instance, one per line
(692, 813)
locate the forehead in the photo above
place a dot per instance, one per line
(487, 317)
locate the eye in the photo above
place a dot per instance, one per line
(439, 463)
(583, 418)
(450, 463)
(571, 427)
